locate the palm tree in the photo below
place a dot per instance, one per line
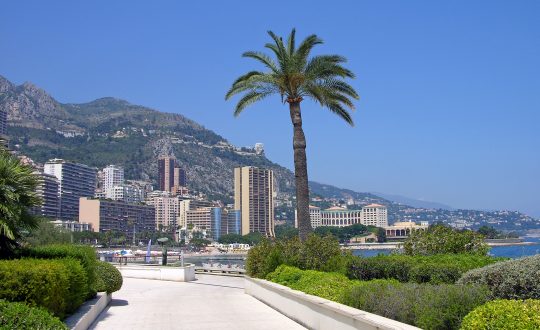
(294, 75)
(17, 196)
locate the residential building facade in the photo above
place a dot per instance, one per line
(75, 181)
(254, 197)
(117, 216)
(48, 191)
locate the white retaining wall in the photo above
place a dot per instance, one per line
(177, 274)
(315, 312)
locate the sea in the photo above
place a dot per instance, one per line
(509, 251)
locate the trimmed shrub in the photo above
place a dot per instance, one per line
(316, 253)
(512, 279)
(15, 315)
(85, 254)
(442, 268)
(59, 285)
(504, 314)
(424, 305)
(330, 286)
(109, 279)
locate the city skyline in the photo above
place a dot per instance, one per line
(456, 126)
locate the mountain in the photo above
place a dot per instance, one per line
(414, 202)
(113, 131)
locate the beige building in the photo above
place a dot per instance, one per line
(108, 215)
(375, 215)
(254, 197)
(189, 204)
(370, 215)
(404, 229)
(167, 211)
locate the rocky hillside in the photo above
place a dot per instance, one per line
(112, 131)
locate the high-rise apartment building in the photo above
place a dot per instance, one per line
(117, 216)
(254, 197)
(75, 181)
(47, 191)
(125, 192)
(210, 220)
(166, 166)
(234, 222)
(166, 211)
(113, 175)
(3, 122)
(170, 176)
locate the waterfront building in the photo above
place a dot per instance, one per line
(47, 190)
(340, 217)
(117, 216)
(254, 197)
(402, 230)
(167, 208)
(375, 215)
(72, 225)
(75, 181)
(210, 220)
(370, 215)
(234, 222)
(190, 204)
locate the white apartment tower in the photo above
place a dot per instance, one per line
(75, 181)
(113, 175)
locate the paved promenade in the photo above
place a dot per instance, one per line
(211, 302)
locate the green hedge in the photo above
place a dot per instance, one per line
(316, 253)
(85, 254)
(424, 305)
(59, 285)
(436, 269)
(109, 279)
(332, 286)
(504, 314)
(512, 279)
(14, 315)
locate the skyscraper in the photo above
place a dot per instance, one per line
(166, 165)
(254, 197)
(75, 181)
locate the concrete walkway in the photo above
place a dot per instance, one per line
(211, 302)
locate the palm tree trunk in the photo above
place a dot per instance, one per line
(300, 172)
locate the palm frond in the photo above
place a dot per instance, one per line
(249, 99)
(263, 58)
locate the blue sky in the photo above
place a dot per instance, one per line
(450, 91)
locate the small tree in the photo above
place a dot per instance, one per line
(439, 239)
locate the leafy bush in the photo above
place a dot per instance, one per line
(512, 279)
(439, 239)
(109, 279)
(316, 253)
(59, 285)
(330, 286)
(424, 305)
(85, 254)
(442, 268)
(15, 315)
(504, 314)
